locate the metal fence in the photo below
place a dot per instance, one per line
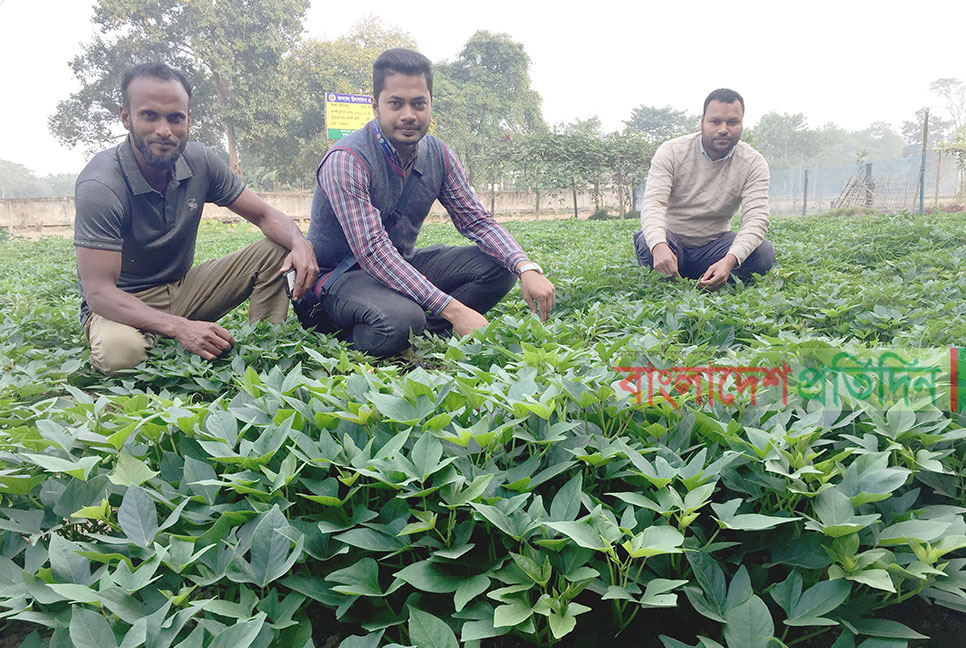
(887, 185)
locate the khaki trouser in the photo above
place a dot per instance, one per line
(207, 292)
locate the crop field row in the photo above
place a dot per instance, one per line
(507, 489)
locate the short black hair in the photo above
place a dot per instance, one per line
(724, 95)
(154, 70)
(399, 60)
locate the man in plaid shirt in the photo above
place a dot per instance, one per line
(396, 289)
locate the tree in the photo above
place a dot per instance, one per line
(940, 130)
(484, 95)
(575, 157)
(570, 157)
(294, 149)
(957, 148)
(232, 52)
(834, 146)
(660, 124)
(494, 162)
(571, 161)
(881, 141)
(590, 165)
(17, 181)
(628, 159)
(953, 92)
(786, 142)
(784, 139)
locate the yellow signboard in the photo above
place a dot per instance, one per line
(346, 113)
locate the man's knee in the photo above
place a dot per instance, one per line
(268, 298)
(643, 252)
(477, 281)
(498, 283)
(388, 335)
(502, 280)
(760, 261)
(268, 253)
(115, 346)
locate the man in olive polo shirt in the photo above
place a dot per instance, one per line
(138, 209)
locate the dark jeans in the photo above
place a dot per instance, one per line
(693, 262)
(378, 320)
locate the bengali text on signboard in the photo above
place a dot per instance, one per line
(346, 113)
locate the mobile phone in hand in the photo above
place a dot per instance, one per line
(289, 282)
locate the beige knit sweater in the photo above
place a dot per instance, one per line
(696, 198)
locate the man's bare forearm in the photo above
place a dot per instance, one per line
(116, 305)
(207, 339)
(281, 229)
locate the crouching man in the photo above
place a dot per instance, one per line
(373, 191)
(695, 184)
(138, 210)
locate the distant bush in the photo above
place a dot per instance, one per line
(602, 214)
(17, 181)
(947, 209)
(849, 212)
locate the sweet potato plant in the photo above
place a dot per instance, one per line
(500, 490)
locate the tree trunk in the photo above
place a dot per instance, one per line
(232, 151)
(536, 191)
(222, 93)
(574, 191)
(466, 158)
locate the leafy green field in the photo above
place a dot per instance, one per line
(503, 490)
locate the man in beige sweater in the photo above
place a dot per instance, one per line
(694, 187)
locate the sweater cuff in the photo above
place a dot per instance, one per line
(655, 239)
(740, 253)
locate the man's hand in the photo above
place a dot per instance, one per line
(538, 292)
(280, 228)
(302, 258)
(665, 261)
(207, 339)
(99, 270)
(717, 274)
(464, 319)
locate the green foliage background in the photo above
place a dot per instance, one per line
(259, 87)
(502, 484)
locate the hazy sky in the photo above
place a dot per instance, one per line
(850, 62)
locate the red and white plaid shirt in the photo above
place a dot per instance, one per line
(345, 181)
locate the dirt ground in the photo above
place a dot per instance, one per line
(37, 233)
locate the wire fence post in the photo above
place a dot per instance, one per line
(868, 184)
(922, 164)
(805, 193)
(939, 175)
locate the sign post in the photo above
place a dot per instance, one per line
(346, 113)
